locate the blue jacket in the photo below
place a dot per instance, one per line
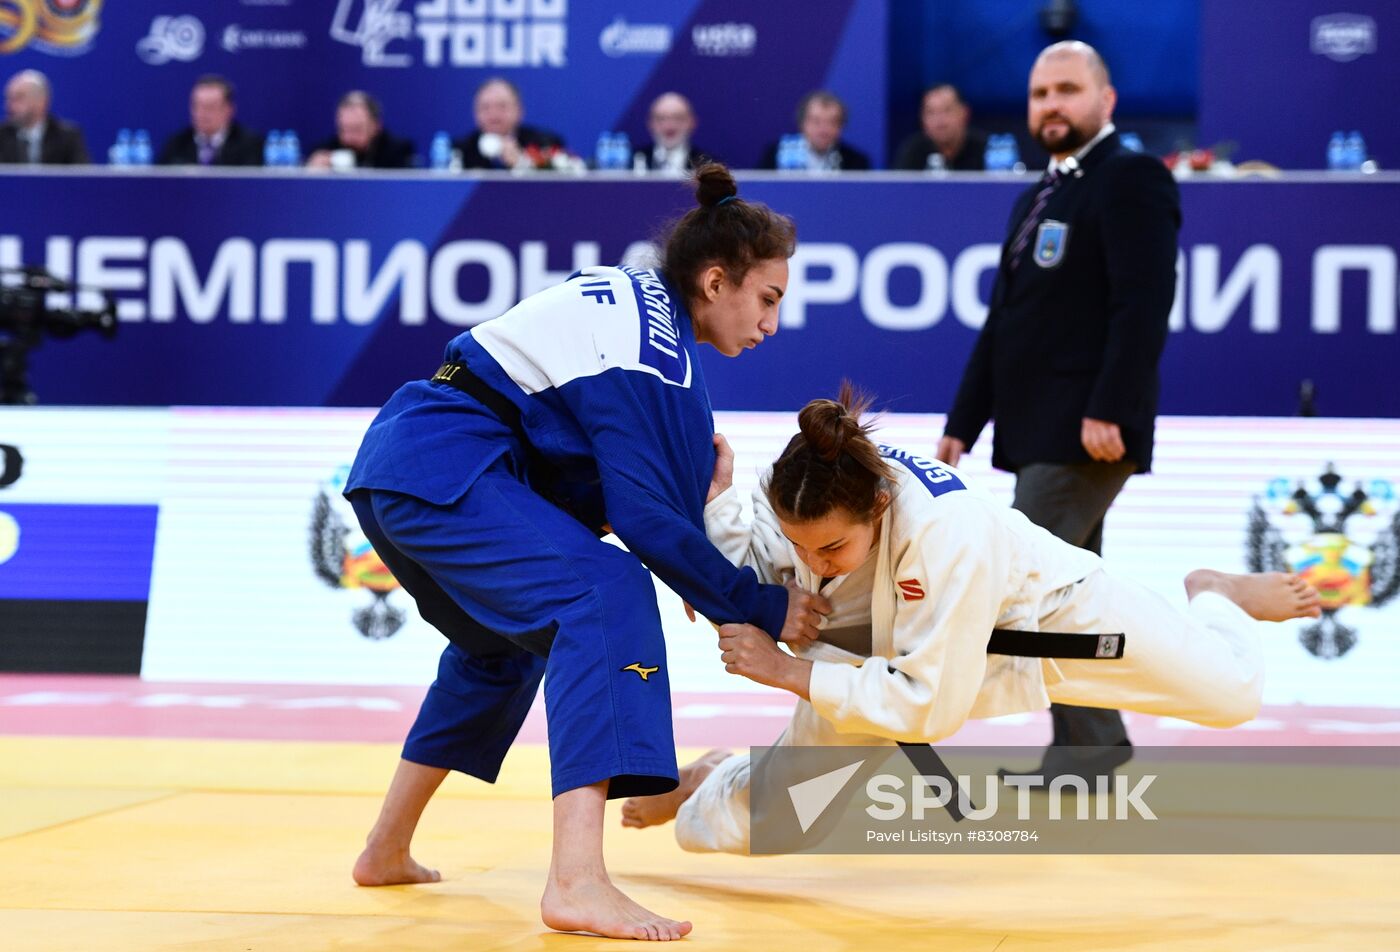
(604, 371)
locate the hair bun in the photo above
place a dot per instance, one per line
(832, 464)
(713, 184)
(826, 428)
(828, 425)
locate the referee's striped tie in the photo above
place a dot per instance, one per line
(1023, 235)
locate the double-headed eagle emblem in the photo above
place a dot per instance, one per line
(343, 558)
(1346, 545)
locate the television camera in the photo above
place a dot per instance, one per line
(26, 318)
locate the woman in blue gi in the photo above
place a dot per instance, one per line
(485, 490)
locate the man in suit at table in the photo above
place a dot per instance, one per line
(501, 140)
(821, 118)
(1066, 363)
(360, 138)
(671, 122)
(945, 140)
(213, 137)
(31, 135)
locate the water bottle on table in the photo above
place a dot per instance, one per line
(440, 151)
(1355, 152)
(1336, 152)
(291, 147)
(272, 149)
(141, 148)
(120, 152)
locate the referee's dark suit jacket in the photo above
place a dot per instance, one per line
(63, 145)
(1078, 332)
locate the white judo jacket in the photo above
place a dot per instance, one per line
(952, 563)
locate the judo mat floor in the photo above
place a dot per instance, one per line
(161, 844)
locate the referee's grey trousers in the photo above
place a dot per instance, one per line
(1071, 500)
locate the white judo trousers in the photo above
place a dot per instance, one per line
(1203, 664)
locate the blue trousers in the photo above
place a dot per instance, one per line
(522, 590)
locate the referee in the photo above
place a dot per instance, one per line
(1066, 363)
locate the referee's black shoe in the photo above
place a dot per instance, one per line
(1081, 763)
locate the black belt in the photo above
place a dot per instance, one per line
(1024, 644)
(1051, 644)
(461, 377)
(542, 472)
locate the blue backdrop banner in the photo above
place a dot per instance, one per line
(1280, 76)
(582, 68)
(287, 290)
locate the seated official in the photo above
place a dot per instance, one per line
(31, 135)
(671, 123)
(360, 140)
(944, 134)
(821, 116)
(500, 140)
(213, 137)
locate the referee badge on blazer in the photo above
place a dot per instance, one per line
(1051, 238)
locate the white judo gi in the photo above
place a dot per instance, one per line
(950, 564)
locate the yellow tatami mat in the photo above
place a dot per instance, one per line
(161, 845)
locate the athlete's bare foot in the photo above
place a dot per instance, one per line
(1267, 596)
(589, 902)
(379, 866)
(639, 812)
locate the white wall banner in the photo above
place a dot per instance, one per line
(259, 572)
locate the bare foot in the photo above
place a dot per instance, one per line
(390, 867)
(591, 903)
(1267, 596)
(639, 812)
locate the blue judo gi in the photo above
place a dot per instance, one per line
(492, 525)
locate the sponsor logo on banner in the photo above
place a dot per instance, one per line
(620, 38)
(1342, 37)
(459, 33)
(172, 38)
(239, 38)
(343, 558)
(1346, 545)
(56, 27)
(724, 39)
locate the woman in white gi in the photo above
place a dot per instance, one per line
(919, 568)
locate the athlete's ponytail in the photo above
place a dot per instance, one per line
(723, 230)
(832, 463)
